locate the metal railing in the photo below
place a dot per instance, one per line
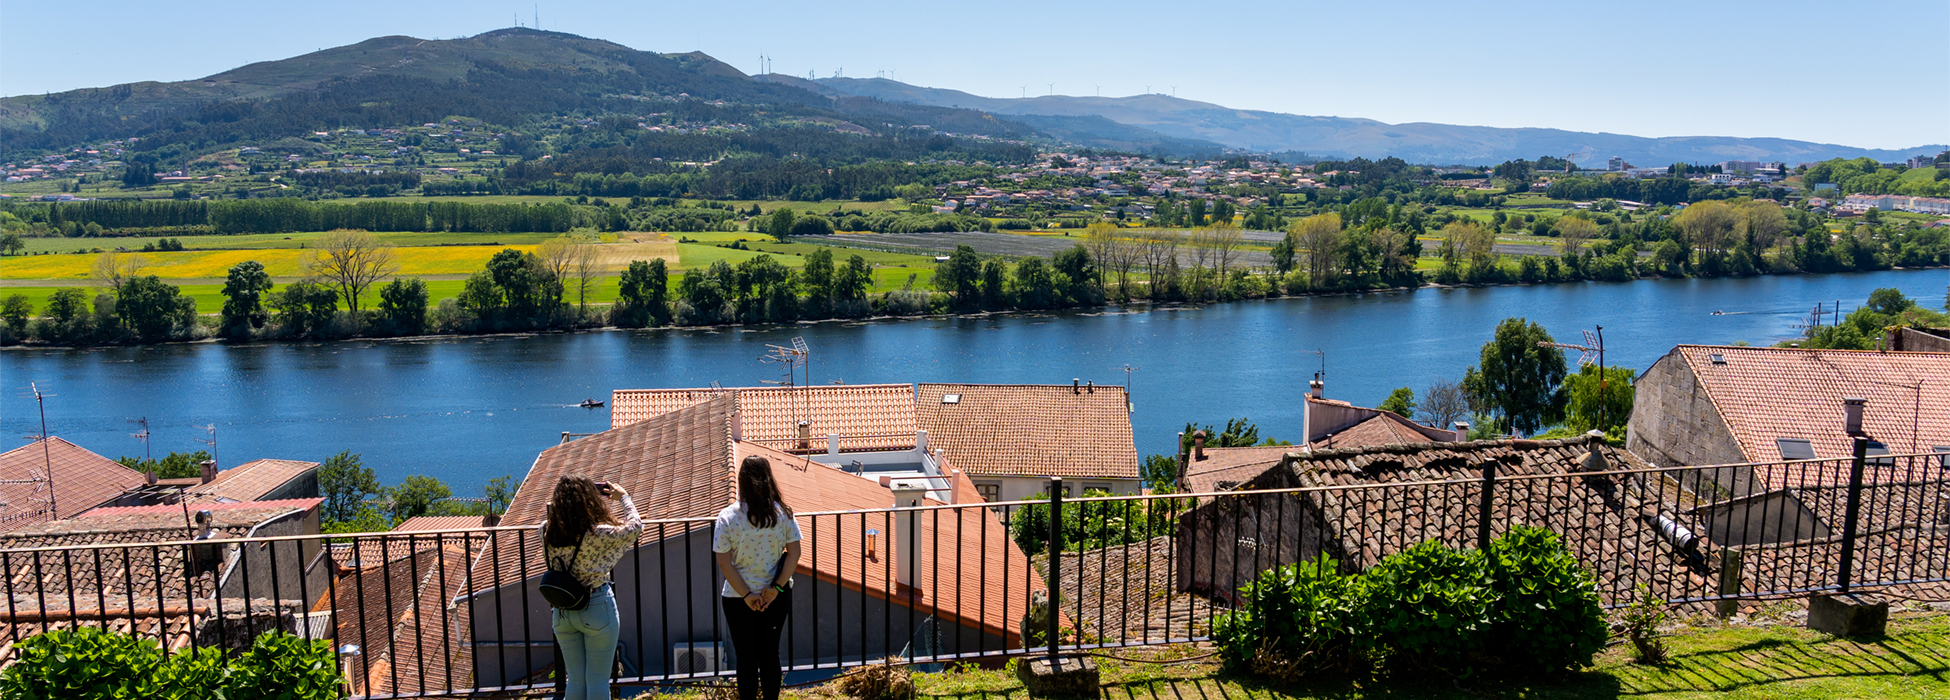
(457, 612)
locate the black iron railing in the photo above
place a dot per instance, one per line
(456, 611)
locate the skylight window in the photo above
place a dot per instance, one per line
(951, 398)
(1943, 452)
(1795, 449)
(1719, 359)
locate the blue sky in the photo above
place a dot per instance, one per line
(1869, 74)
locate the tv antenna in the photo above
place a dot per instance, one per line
(142, 435)
(1594, 346)
(45, 475)
(212, 442)
(791, 360)
(1322, 375)
(1129, 406)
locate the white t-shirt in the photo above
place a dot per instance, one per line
(755, 551)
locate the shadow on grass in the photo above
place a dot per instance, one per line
(1771, 662)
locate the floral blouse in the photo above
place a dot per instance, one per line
(601, 548)
(754, 550)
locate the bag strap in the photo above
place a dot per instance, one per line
(572, 555)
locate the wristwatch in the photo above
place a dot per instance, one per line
(779, 586)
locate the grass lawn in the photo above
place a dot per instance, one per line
(280, 262)
(1733, 663)
(278, 240)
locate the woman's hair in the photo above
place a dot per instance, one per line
(576, 509)
(760, 493)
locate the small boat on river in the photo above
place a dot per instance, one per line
(590, 403)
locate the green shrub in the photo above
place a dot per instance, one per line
(1547, 612)
(1293, 620)
(190, 675)
(85, 663)
(285, 667)
(1428, 606)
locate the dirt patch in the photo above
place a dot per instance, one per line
(615, 257)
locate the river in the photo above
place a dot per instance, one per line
(471, 408)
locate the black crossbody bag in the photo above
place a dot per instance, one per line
(560, 587)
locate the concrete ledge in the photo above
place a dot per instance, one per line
(1070, 676)
(1848, 615)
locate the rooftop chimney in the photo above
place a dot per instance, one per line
(1852, 415)
(905, 524)
(805, 435)
(1198, 446)
(1316, 387)
(1074, 388)
(832, 443)
(1462, 431)
(1091, 386)
(208, 469)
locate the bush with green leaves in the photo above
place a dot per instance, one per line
(1428, 606)
(1293, 620)
(85, 663)
(1546, 612)
(89, 663)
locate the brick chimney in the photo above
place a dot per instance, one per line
(207, 470)
(1852, 415)
(1198, 446)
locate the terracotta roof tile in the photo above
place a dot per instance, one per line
(1605, 521)
(970, 559)
(443, 522)
(865, 416)
(1383, 428)
(675, 465)
(250, 481)
(1765, 394)
(176, 510)
(417, 643)
(1031, 429)
(82, 480)
(1226, 467)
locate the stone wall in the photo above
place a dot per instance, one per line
(1906, 339)
(1675, 423)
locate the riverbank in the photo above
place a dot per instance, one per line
(598, 316)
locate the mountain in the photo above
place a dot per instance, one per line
(505, 77)
(1418, 142)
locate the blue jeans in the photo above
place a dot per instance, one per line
(587, 638)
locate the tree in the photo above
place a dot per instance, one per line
(780, 223)
(958, 274)
(415, 496)
(1518, 381)
(11, 243)
(350, 262)
(346, 483)
(500, 492)
(243, 291)
(557, 254)
(1475, 244)
(1080, 272)
(178, 465)
(15, 311)
(1225, 240)
(1590, 409)
(1442, 404)
(1319, 235)
(305, 308)
(817, 278)
(1401, 402)
(854, 280)
(811, 226)
(1035, 284)
(644, 293)
(1573, 232)
(154, 310)
(995, 292)
(403, 306)
(1283, 254)
(1889, 301)
(113, 268)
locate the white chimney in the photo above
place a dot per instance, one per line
(1462, 431)
(1852, 415)
(1317, 387)
(832, 443)
(921, 441)
(906, 528)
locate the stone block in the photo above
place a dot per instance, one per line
(1848, 615)
(1069, 676)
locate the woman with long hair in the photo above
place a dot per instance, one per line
(581, 536)
(757, 546)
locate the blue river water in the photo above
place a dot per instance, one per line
(468, 409)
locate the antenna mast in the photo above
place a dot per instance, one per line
(142, 435)
(1594, 345)
(212, 442)
(47, 454)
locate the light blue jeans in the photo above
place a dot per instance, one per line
(587, 638)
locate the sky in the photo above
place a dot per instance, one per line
(1868, 74)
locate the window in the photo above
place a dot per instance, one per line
(991, 492)
(1097, 487)
(1795, 449)
(1943, 450)
(1877, 449)
(951, 398)
(1069, 489)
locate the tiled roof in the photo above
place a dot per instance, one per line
(1031, 429)
(176, 509)
(1605, 521)
(154, 587)
(250, 481)
(82, 480)
(421, 640)
(675, 465)
(443, 522)
(1226, 467)
(971, 562)
(1765, 394)
(1124, 592)
(865, 416)
(1383, 428)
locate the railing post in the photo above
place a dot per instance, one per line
(1846, 573)
(1483, 510)
(1055, 564)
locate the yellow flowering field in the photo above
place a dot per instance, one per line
(281, 262)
